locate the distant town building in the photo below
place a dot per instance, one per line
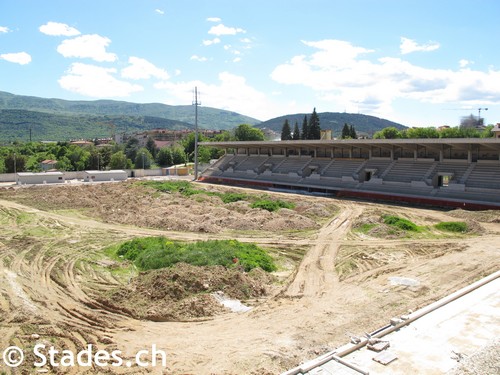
(47, 165)
(496, 130)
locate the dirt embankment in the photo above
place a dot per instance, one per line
(54, 274)
(132, 204)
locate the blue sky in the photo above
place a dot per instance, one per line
(420, 63)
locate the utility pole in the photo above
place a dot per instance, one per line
(196, 104)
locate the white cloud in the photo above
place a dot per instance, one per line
(21, 58)
(213, 19)
(211, 42)
(198, 58)
(342, 75)
(95, 81)
(142, 69)
(159, 11)
(237, 59)
(4, 29)
(463, 63)
(220, 29)
(58, 29)
(409, 46)
(87, 46)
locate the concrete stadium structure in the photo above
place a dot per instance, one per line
(457, 172)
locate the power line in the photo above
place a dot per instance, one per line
(196, 104)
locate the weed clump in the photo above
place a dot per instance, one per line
(271, 205)
(159, 252)
(453, 226)
(401, 223)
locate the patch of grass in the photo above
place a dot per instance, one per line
(158, 252)
(453, 226)
(272, 205)
(401, 223)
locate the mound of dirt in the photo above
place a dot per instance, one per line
(132, 204)
(184, 292)
(489, 216)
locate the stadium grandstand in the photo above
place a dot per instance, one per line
(455, 172)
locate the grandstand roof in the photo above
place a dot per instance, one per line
(461, 143)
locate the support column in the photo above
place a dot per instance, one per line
(392, 153)
(441, 156)
(350, 152)
(469, 156)
(415, 154)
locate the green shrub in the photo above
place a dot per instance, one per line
(232, 197)
(271, 205)
(453, 226)
(159, 252)
(400, 223)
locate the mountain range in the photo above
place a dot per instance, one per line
(27, 117)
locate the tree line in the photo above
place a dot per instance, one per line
(27, 156)
(431, 132)
(311, 129)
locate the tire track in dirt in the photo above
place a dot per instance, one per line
(316, 275)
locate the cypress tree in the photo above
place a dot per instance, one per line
(352, 132)
(296, 132)
(314, 127)
(286, 133)
(346, 133)
(305, 129)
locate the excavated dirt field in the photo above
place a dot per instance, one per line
(335, 258)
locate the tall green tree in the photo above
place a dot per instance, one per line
(314, 126)
(151, 146)
(296, 132)
(143, 158)
(286, 132)
(352, 132)
(305, 129)
(178, 155)
(119, 161)
(131, 148)
(245, 132)
(164, 157)
(388, 133)
(15, 162)
(346, 133)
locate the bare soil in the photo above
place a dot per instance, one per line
(57, 286)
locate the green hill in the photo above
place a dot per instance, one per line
(57, 119)
(335, 121)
